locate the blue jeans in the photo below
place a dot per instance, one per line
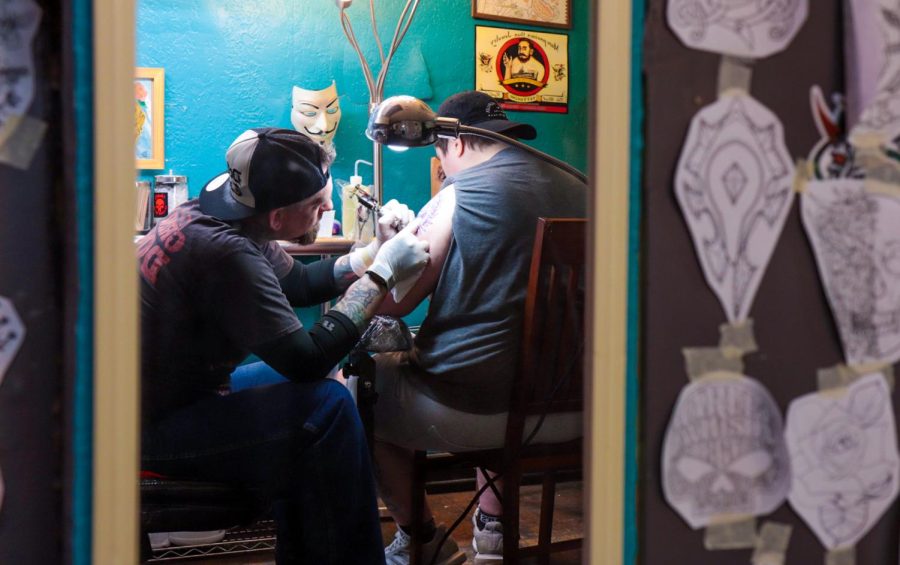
(254, 374)
(302, 445)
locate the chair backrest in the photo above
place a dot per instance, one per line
(551, 367)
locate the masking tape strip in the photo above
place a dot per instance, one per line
(699, 361)
(739, 533)
(735, 74)
(737, 339)
(8, 127)
(842, 375)
(771, 543)
(802, 174)
(875, 185)
(882, 173)
(842, 556)
(19, 149)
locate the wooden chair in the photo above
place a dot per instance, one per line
(549, 381)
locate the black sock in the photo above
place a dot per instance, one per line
(483, 518)
(428, 530)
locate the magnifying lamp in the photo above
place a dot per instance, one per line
(405, 121)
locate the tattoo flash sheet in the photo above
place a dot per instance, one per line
(855, 236)
(749, 28)
(864, 55)
(724, 451)
(843, 448)
(881, 115)
(12, 334)
(734, 184)
(18, 24)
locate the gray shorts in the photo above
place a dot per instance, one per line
(406, 417)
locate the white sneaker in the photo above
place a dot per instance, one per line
(488, 542)
(398, 553)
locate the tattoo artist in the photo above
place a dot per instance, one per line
(215, 287)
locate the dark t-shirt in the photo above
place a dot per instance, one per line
(209, 296)
(469, 341)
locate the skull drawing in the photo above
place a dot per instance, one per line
(724, 453)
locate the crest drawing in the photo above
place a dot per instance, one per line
(724, 451)
(12, 334)
(843, 448)
(734, 184)
(855, 235)
(746, 28)
(881, 117)
(18, 24)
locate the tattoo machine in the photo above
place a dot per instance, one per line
(366, 200)
(369, 202)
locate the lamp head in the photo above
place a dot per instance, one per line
(408, 122)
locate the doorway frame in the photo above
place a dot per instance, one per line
(116, 382)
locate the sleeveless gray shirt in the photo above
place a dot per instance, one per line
(469, 341)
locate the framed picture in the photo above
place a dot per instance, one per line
(549, 13)
(524, 70)
(149, 118)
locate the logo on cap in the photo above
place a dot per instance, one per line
(494, 111)
(235, 176)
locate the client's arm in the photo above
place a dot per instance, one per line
(436, 228)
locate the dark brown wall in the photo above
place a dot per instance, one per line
(31, 216)
(793, 324)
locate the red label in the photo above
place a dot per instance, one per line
(160, 204)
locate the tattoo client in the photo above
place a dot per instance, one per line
(451, 391)
(215, 287)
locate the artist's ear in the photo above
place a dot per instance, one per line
(276, 219)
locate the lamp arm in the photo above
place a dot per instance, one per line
(408, 22)
(351, 37)
(463, 129)
(399, 32)
(375, 30)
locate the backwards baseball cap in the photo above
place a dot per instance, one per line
(473, 108)
(267, 168)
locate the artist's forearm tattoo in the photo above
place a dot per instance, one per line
(343, 274)
(360, 302)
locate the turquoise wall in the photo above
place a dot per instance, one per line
(230, 65)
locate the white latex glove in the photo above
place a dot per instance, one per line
(394, 217)
(401, 257)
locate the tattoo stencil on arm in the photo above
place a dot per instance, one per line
(430, 212)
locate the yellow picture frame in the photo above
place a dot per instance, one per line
(149, 118)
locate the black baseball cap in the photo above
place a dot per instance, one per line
(267, 168)
(473, 108)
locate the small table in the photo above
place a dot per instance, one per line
(323, 247)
